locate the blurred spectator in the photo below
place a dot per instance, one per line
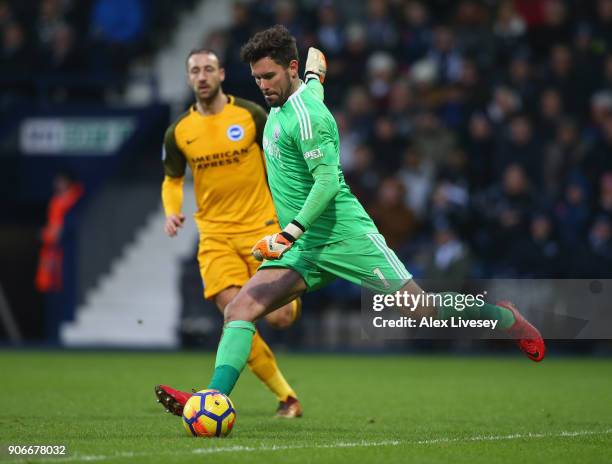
(594, 258)
(356, 53)
(66, 193)
(450, 202)
(539, 254)
(454, 168)
(359, 111)
(388, 145)
(381, 67)
(479, 144)
(521, 147)
(587, 62)
(402, 107)
(449, 261)
(509, 30)
(505, 211)
(14, 55)
(238, 76)
(381, 31)
(363, 177)
(330, 34)
(423, 75)
(453, 109)
(600, 111)
(63, 56)
(51, 17)
(432, 139)
(57, 241)
(561, 75)
(605, 196)
(395, 221)
(555, 28)
(562, 157)
(550, 113)
(603, 25)
(415, 33)
(474, 87)
(7, 16)
(286, 13)
(598, 158)
(474, 34)
(348, 141)
(573, 212)
(606, 83)
(445, 55)
(504, 104)
(521, 80)
(416, 175)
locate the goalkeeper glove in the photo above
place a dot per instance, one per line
(316, 65)
(276, 245)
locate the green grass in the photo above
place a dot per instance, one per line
(357, 409)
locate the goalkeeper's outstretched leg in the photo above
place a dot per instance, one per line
(266, 291)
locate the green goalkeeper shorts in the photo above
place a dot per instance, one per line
(365, 260)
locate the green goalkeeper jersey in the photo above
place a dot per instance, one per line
(299, 136)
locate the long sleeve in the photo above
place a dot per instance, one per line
(324, 189)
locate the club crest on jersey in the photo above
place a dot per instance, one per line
(276, 134)
(235, 132)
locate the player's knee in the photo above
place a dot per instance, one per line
(281, 318)
(241, 309)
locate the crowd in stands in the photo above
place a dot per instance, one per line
(69, 50)
(478, 134)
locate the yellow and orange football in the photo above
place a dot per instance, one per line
(209, 413)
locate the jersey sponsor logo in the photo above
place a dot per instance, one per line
(313, 154)
(235, 132)
(214, 160)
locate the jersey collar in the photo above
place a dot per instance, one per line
(230, 101)
(300, 89)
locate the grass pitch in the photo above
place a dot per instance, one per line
(358, 409)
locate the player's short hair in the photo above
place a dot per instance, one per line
(203, 51)
(276, 43)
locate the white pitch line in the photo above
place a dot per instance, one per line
(516, 436)
(357, 444)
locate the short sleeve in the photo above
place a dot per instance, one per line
(172, 157)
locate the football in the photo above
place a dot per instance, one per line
(209, 413)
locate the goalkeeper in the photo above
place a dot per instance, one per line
(219, 137)
(326, 232)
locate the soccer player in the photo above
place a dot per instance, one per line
(220, 138)
(326, 232)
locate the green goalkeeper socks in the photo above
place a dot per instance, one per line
(232, 355)
(446, 310)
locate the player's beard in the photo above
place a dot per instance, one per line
(285, 92)
(211, 97)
